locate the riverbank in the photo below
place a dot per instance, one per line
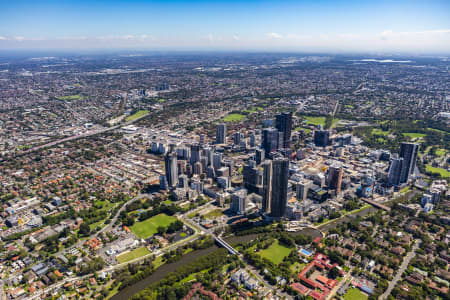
(165, 269)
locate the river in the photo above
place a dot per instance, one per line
(190, 257)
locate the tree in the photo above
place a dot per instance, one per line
(161, 229)
(334, 273)
(84, 229)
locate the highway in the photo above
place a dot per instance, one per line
(80, 136)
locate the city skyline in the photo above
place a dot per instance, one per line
(301, 26)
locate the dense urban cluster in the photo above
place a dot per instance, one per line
(318, 177)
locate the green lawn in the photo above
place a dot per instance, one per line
(136, 253)
(213, 214)
(355, 294)
(379, 131)
(148, 227)
(437, 130)
(275, 253)
(405, 189)
(297, 267)
(158, 262)
(96, 224)
(444, 173)
(136, 115)
(315, 120)
(234, 118)
(252, 110)
(306, 130)
(414, 135)
(167, 202)
(441, 152)
(69, 98)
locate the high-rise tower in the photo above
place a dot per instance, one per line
(280, 174)
(283, 123)
(221, 133)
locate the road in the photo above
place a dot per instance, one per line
(338, 286)
(114, 219)
(249, 267)
(169, 248)
(402, 269)
(84, 135)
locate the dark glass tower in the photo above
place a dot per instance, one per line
(408, 151)
(280, 174)
(283, 123)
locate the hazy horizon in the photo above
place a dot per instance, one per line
(406, 27)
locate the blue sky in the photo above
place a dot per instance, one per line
(319, 25)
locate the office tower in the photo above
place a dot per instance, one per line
(223, 182)
(198, 168)
(252, 139)
(183, 153)
(170, 162)
(223, 171)
(238, 203)
(259, 156)
(202, 138)
(210, 173)
(183, 182)
(181, 166)
(283, 123)
(221, 133)
(208, 152)
(204, 162)
(252, 178)
(302, 188)
(163, 183)
(195, 153)
(267, 186)
(321, 138)
(335, 173)
(269, 140)
(189, 170)
(280, 174)
(197, 186)
(217, 161)
(408, 151)
(395, 170)
(237, 138)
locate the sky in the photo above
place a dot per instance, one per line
(391, 26)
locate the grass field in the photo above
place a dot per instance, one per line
(213, 214)
(136, 253)
(414, 135)
(136, 115)
(148, 227)
(306, 130)
(355, 294)
(444, 173)
(69, 98)
(234, 118)
(275, 253)
(379, 131)
(315, 120)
